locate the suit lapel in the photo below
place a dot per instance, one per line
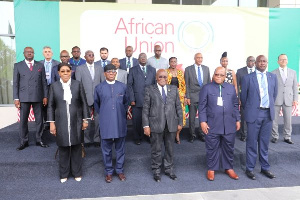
(255, 82)
(194, 73)
(269, 78)
(158, 92)
(34, 69)
(87, 71)
(141, 71)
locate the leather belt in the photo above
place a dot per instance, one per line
(261, 108)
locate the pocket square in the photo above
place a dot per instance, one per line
(39, 70)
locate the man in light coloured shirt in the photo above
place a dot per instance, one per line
(287, 98)
(103, 57)
(157, 61)
(249, 68)
(48, 62)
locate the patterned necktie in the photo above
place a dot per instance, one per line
(103, 63)
(250, 71)
(163, 94)
(30, 66)
(265, 96)
(47, 66)
(128, 63)
(199, 77)
(283, 76)
(144, 70)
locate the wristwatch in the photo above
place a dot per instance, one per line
(86, 121)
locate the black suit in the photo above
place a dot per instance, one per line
(136, 83)
(163, 119)
(30, 87)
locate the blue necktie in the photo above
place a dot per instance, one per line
(163, 94)
(128, 63)
(199, 77)
(265, 98)
(103, 63)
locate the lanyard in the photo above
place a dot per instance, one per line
(220, 90)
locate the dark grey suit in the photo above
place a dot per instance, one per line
(30, 87)
(163, 120)
(239, 76)
(192, 92)
(83, 75)
(122, 76)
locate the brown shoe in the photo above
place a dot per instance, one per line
(122, 177)
(108, 178)
(232, 174)
(210, 175)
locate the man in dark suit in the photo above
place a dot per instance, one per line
(287, 98)
(90, 74)
(129, 61)
(111, 104)
(162, 118)
(30, 89)
(65, 58)
(139, 77)
(239, 75)
(103, 57)
(48, 63)
(259, 91)
(219, 119)
(196, 76)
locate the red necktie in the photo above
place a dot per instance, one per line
(30, 66)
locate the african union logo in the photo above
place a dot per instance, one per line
(195, 34)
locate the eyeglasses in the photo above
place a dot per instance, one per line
(111, 71)
(64, 56)
(65, 71)
(90, 55)
(164, 77)
(251, 60)
(222, 75)
(75, 51)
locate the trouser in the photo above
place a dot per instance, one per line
(137, 122)
(192, 117)
(70, 160)
(243, 129)
(287, 118)
(258, 138)
(24, 113)
(219, 150)
(92, 133)
(107, 145)
(157, 140)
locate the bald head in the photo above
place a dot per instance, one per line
(198, 58)
(64, 56)
(157, 51)
(161, 77)
(219, 75)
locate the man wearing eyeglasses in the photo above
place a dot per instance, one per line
(76, 60)
(219, 120)
(239, 75)
(287, 98)
(90, 74)
(111, 104)
(162, 118)
(64, 58)
(259, 91)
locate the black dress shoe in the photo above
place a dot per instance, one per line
(250, 175)
(289, 141)
(202, 138)
(157, 177)
(171, 175)
(97, 144)
(137, 142)
(41, 144)
(243, 139)
(22, 146)
(274, 140)
(192, 139)
(268, 174)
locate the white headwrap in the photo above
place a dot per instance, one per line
(67, 90)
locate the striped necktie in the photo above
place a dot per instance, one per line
(265, 96)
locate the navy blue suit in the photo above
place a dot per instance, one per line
(221, 121)
(123, 63)
(136, 83)
(259, 121)
(110, 102)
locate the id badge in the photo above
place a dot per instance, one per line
(47, 75)
(220, 101)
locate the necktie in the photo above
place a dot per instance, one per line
(144, 70)
(30, 66)
(128, 63)
(47, 66)
(103, 63)
(199, 77)
(283, 76)
(91, 71)
(163, 94)
(265, 96)
(250, 71)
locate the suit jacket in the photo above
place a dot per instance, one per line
(122, 76)
(123, 64)
(99, 62)
(156, 113)
(57, 111)
(239, 76)
(288, 91)
(137, 82)
(111, 104)
(29, 86)
(54, 63)
(191, 81)
(220, 119)
(250, 95)
(83, 75)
